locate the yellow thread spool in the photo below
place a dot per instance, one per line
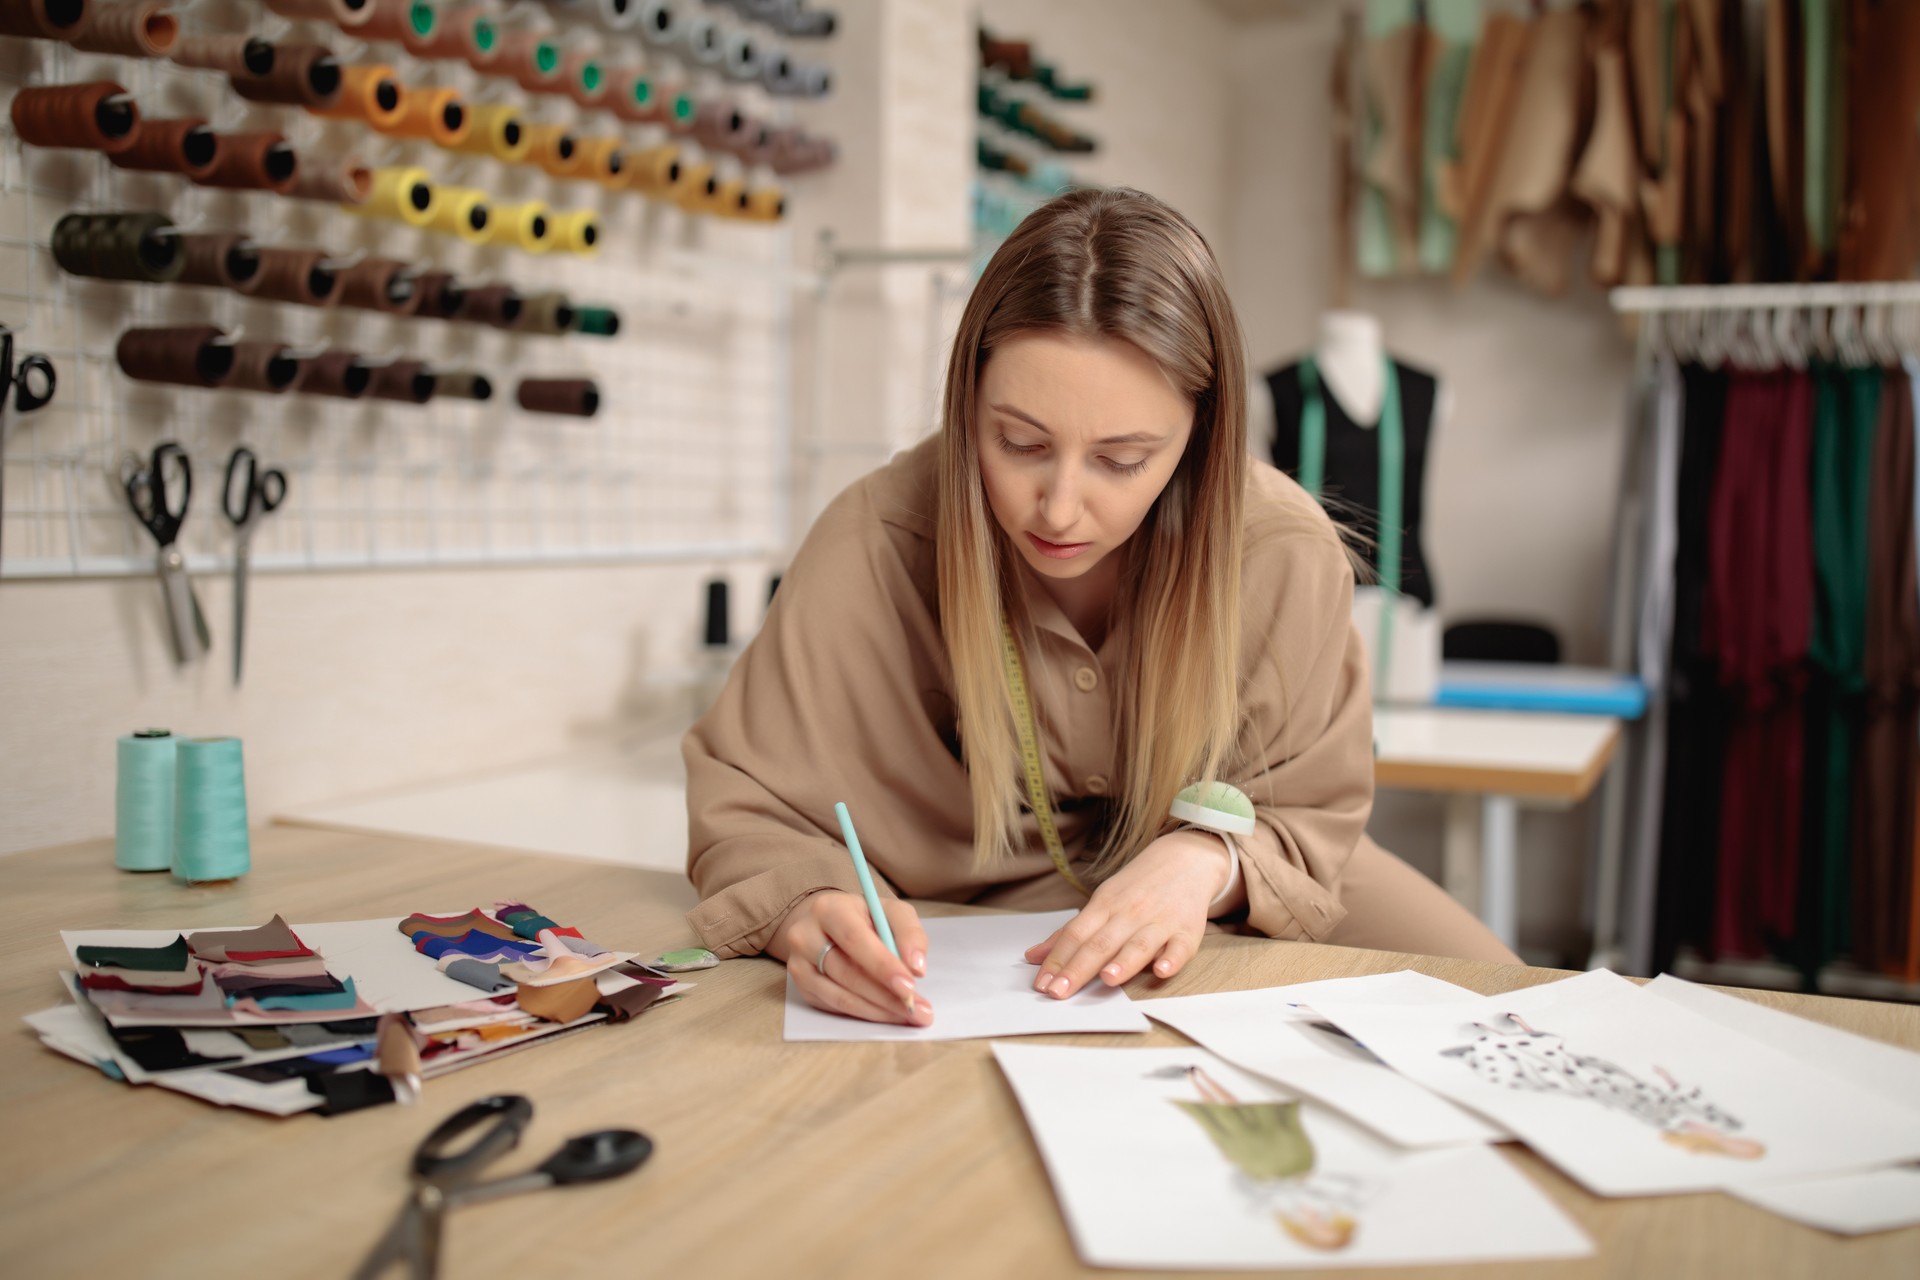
(695, 188)
(437, 115)
(554, 149)
(765, 204)
(497, 130)
(526, 226)
(729, 199)
(401, 192)
(652, 170)
(576, 231)
(371, 93)
(461, 211)
(600, 160)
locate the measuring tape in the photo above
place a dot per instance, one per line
(1030, 757)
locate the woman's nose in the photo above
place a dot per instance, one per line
(1060, 504)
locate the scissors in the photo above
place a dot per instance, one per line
(444, 1179)
(18, 386)
(259, 492)
(150, 494)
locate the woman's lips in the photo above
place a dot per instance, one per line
(1057, 550)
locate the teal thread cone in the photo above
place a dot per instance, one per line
(143, 801)
(210, 811)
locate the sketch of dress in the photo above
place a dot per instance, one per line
(1275, 1163)
(1541, 1062)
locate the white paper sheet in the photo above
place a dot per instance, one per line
(1851, 1204)
(1143, 1183)
(77, 1033)
(1271, 1034)
(980, 985)
(1631, 1095)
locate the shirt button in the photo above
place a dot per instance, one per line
(1097, 785)
(1085, 679)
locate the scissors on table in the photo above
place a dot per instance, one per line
(150, 491)
(444, 1179)
(258, 493)
(27, 388)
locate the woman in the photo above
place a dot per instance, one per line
(1087, 523)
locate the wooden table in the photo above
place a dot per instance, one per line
(896, 1160)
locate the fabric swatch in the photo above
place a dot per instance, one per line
(342, 1056)
(258, 1038)
(629, 1002)
(475, 921)
(309, 1035)
(562, 1002)
(171, 958)
(475, 973)
(645, 973)
(553, 970)
(344, 1091)
(345, 998)
(481, 946)
(294, 967)
(522, 919)
(207, 1000)
(262, 988)
(574, 942)
(146, 981)
(270, 941)
(160, 1049)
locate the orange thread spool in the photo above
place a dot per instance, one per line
(140, 29)
(371, 94)
(44, 19)
(171, 146)
(253, 162)
(97, 116)
(437, 115)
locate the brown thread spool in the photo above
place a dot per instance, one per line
(140, 29)
(338, 373)
(404, 380)
(380, 284)
(345, 14)
(499, 305)
(220, 261)
(757, 146)
(372, 94)
(262, 365)
(546, 313)
(440, 296)
(554, 149)
(437, 115)
(98, 116)
(721, 126)
(336, 179)
(253, 162)
(401, 21)
(462, 385)
(303, 75)
(118, 246)
(300, 276)
(636, 97)
(576, 397)
(188, 356)
(171, 146)
(232, 55)
(44, 19)
(530, 60)
(584, 79)
(466, 35)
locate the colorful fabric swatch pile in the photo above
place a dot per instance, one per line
(333, 1017)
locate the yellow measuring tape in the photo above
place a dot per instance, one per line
(1030, 757)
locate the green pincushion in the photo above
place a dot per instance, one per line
(1215, 806)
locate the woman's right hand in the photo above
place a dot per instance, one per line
(861, 978)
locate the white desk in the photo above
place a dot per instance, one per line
(1488, 763)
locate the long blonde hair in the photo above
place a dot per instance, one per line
(1112, 263)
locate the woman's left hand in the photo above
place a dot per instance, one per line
(1151, 911)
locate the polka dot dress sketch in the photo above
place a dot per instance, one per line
(1540, 1062)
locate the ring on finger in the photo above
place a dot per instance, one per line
(820, 961)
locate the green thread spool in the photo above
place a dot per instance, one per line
(210, 811)
(602, 322)
(143, 801)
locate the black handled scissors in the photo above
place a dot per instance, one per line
(445, 1179)
(150, 493)
(258, 493)
(26, 388)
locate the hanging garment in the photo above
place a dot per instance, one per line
(1456, 30)
(1822, 56)
(1525, 214)
(1911, 972)
(1784, 254)
(1393, 62)
(1882, 89)
(1352, 463)
(1486, 111)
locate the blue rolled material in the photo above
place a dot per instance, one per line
(143, 801)
(210, 811)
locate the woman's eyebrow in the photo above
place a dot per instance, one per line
(1132, 437)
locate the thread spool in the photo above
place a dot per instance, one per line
(805, 24)
(598, 322)
(338, 180)
(574, 397)
(408, 381)
(303, 277)
(803, 80)
(437, 115)
(546, 313)
(740, 57)
(96, 116)
(185, 146)
(576, 231)
(461, 211)
(143, 800)
(119, 246)
(524, 226)
(440, 295)
(261, 365)
(230, 55)
(341, 374)
(138, 29)
(408, 22)
(210, 811)
(371, 94)
(379, 284)
(552, 148)
(765, 204)
(658, 25)
(345, 14)
(635, 98)
(497, 130)
(721, 126)
(302, 75)
(462, 385)
(696, 188)
(466, 35)
(220, 261)
(529, 60)
(584, 79)
(729, 199)
(793, 152)
(400, 192)
(253, 162)
(682, 110)
(185, 356)
(701, 40)
(653, 170)
(617, 15)
(44, 19)
(601, 160)
(757, 145)
(499, 305)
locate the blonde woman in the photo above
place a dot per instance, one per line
(1086, 524)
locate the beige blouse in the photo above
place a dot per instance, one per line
(846, 695)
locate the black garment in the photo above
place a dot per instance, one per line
(1352, 491)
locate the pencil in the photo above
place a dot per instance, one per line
(866, 887)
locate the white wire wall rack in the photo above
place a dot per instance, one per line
(688, 458)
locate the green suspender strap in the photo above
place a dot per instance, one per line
(1030, 757)
(1391, 444)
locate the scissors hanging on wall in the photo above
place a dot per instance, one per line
(258, 492)
(150, 493)
(26, 387)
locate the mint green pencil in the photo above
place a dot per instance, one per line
(866, 878)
